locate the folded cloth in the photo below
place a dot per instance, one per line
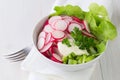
(43, 71)
(40, 70)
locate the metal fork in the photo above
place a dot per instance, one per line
(19, 55)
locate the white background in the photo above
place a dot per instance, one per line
(17, 21)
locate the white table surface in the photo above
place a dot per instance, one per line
(17, 20)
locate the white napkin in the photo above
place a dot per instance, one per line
(41, 71)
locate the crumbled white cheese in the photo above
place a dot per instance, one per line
(65, 50)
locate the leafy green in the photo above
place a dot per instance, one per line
(72, 61)
(82, 41)
(66, 41)
(65, 59)
(107, 29)
(98, 10)
(101, 47)
(97, 19)
(70, 11)
(100, 26)
(89, 58)
(77, 59)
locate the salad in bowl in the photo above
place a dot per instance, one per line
(72, 36)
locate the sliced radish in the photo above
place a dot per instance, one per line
(58, 34)
(48, 38)
(48, 28)
(42, 34)
(57, 51)
(67, 18)
(81, 24)
(67, 21)
(73, 25)
(88, 34)
(46, 54)
(46, 47)
(54, 18)
(60, 25)
(56, 58)
(51, 50)
(86, 26)
(77, 19)
(52, 39)
(41, 42)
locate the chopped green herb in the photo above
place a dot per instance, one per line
(66, 41)
(82, 41)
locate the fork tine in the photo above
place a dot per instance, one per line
(16, 53)
(17, 56)
(17, 60)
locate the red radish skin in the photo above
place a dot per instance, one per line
(58, 34)
(60, 25)
(56, 58)
(46, 22)
(48, 38)
(54, 18)
(48, 28)
(86, 26)
(46, 47)
(51, 50)
(46, 54)
(77, 19)
(81, 24)
(52, 39)
(67, 18)
(88, 34)
(57, 51)
(41, 42)
(55, 30)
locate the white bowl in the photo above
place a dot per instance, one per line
(65, 67)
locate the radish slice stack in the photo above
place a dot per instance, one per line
(41, 43)
(48, 28)
(58, 34)
(55, 57)
(60, 25)
(55, 30)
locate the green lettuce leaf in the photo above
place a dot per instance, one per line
(70, 11)
(98, 10)
(103, 29)
(98, 22)
(101, 47)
